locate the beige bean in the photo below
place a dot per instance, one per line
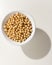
(18, 27)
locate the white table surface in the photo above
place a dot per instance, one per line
(42, 12)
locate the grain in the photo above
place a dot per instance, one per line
(18, 27)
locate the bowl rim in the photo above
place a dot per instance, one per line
(33, 27)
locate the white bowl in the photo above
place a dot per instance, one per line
(33, 28)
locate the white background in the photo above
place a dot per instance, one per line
(42, 12)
